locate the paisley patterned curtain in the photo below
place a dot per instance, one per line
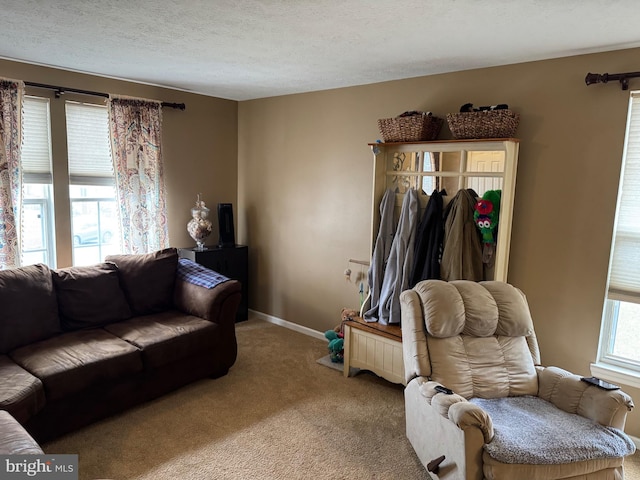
(136, 138)
(11, 95)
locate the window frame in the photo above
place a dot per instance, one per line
(608, 365)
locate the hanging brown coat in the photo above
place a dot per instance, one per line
(462, 250)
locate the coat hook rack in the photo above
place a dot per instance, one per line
(623, 78)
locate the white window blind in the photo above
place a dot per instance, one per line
(88, 144)
(36, 143)
(624, 275)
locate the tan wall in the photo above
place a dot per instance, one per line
(199, 143)
(303, 184)
(305, 175)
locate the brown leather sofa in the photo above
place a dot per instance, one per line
(14, 439)
(81, 343)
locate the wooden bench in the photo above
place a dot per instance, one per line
(373, 347)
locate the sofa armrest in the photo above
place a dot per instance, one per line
(14, 439)
(218, 304)
(567, 392)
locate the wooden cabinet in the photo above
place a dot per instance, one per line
(231, 262)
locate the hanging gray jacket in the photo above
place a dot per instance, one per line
(397, 275)
(381, 252)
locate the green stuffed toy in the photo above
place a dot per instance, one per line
(486, 215)
(336, 346)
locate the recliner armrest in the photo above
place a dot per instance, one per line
(458, 409)
(466, 415)
(414, 340)
(567, 392)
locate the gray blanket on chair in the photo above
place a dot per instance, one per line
(529, 430)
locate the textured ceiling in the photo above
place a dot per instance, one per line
(245, 49)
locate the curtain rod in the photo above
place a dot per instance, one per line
(605, 77)
(61, 90)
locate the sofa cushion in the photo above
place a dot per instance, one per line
(14, 439)
(75, 361)
(90, 296)
(21, 394)
(148, 279)
(167, 337)
(29, 310)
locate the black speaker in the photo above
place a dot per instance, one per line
(225, 225)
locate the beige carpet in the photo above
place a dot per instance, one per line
(278, 414)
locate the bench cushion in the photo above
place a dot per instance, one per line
(21, 393)
(74, 361)
(167, 337)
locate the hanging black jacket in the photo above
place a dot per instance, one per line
(429, 238)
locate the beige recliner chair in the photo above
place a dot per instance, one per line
(506, 417)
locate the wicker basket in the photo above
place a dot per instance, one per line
(411, 128)
(484, 124)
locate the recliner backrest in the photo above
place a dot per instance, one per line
(480, 338)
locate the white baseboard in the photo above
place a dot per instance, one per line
(291, 326)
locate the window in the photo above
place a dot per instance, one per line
(620, 337)
(89, 186)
